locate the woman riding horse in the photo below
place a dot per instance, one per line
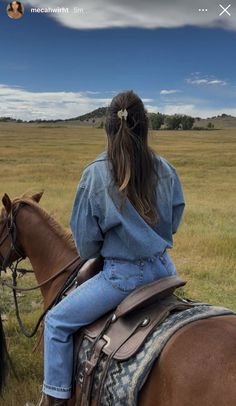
(128, 204)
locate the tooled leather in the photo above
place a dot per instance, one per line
(119, 331)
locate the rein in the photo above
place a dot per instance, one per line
(13, 286)
(53, 302)
(14, 248)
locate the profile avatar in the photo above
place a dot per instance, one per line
(15, 10)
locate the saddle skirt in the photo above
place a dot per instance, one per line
(118, 382)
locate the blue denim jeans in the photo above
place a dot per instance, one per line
(84, 305)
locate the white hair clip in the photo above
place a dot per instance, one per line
(122, 113)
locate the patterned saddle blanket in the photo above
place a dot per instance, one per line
(124, 379)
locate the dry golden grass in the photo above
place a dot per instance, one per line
(52, 158)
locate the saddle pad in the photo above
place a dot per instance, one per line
(125, 378)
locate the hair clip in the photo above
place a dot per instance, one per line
(122, 113)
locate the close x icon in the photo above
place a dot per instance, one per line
(225, 9)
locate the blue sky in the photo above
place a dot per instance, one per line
(50, 68)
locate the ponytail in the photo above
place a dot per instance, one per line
(132, 160)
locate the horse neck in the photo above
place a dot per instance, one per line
(47, 251)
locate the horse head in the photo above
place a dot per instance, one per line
(29, 231)
(10, 248)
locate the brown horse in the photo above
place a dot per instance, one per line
(198, 365)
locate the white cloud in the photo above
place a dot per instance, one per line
(171, 91)
(181, 109)
(17, 102)
(201, 81)
(138, 13)
(147, 100)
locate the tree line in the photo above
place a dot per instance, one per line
(175, 122)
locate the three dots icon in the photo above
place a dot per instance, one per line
(202, 9)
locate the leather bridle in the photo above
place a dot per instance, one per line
(11, 227)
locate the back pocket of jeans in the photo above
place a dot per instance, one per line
(125, 276)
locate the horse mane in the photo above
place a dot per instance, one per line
(60, 231)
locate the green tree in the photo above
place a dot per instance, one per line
(173, 122)
(187, 122)
(156, 120)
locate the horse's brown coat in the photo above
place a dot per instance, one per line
(198, 365)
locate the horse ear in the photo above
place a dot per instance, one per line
(37, 196)
(7, 203)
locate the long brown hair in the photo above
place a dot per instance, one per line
(20, 9)
(133, 163)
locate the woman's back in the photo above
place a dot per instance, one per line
(129, 201)
(123, 233)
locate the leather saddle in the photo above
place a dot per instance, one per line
(119, 334)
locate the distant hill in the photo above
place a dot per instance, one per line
(96, 118)
(98, 113)
(220, 122)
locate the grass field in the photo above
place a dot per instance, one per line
(52, 158)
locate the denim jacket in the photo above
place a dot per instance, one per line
(99, 228)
